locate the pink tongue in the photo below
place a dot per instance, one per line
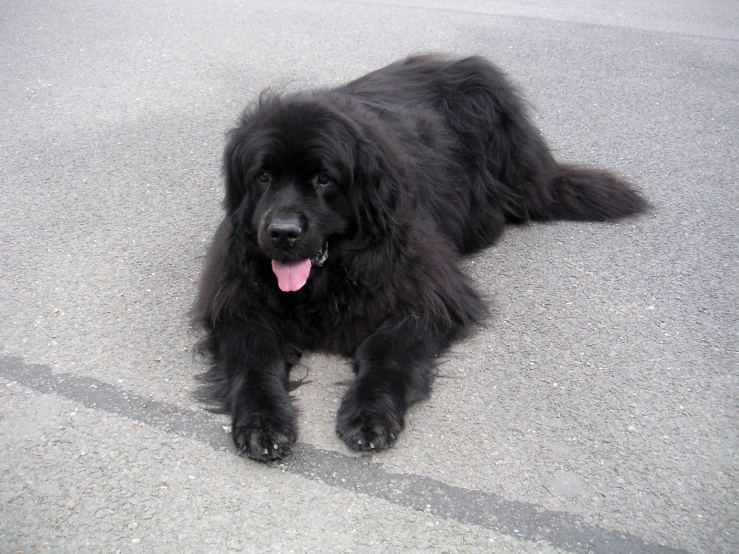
(291, 276)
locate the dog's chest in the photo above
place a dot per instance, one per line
(333, 319)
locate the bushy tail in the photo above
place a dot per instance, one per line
(590, 194)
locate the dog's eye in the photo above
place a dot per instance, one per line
(263, 178)
(323, 179)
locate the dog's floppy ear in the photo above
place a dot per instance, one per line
(377, 178)
(243, 143)
(234, 167)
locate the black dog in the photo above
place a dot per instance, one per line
(346, 213)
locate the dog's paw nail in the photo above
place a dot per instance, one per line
(359, 441)
(276, 446)
(392, 436)
(372, 445)
(265, 452)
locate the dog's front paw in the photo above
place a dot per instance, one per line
(263, 437)
(369, 424)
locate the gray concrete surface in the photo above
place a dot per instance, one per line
(596, 411)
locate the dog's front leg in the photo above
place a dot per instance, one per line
(394, 368)
(250, 357)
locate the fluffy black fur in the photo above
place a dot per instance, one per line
(383, 182)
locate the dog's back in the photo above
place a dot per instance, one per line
(497, 168)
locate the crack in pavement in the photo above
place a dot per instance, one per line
(522, 520)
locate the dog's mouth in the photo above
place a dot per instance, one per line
(292, 276)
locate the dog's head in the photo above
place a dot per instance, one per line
(300, 174)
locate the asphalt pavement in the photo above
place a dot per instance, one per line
(596, 409)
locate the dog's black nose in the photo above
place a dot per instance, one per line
(284, 232)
